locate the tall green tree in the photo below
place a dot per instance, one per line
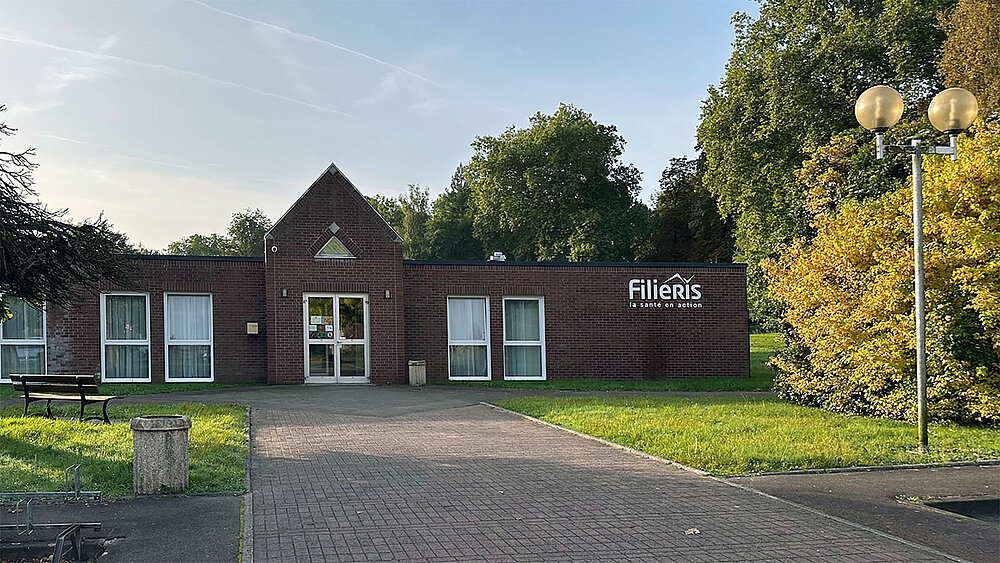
(42, 257)
(555, 191)
(689, 227)
(450, 227)
(388, 208)
(244, 238)
(246, 232)
(790, 84)
(416, 210)
(409, 215)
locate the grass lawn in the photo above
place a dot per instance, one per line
(733, 435)
(123, 389)
(35, 451)
(762, 347)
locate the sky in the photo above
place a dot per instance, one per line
(168, 117)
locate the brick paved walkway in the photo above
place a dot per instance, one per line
(464, 482)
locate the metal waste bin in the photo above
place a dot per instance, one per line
(160, 453)
(418, 372)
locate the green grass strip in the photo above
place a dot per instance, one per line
(35, 451)
(732, 435)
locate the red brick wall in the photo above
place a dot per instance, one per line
(591, 329)
(293, 270)
(237, 288)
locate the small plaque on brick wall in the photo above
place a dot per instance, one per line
(252, 328)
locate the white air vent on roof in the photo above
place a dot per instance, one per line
(497, 257)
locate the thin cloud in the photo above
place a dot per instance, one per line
(107, 43)
(75, 141)
(106, 57)
(158, 162)
(312, 39)
(317, 40)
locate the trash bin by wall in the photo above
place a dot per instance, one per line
(160, 453)
(418, 372)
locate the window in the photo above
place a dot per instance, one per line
(334, 249)
(188, 329)
(523, 338)
(125, 337)
(22, 339)
(468, 338)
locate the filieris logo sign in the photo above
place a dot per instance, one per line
(677, 291)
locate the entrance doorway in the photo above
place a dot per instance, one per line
(336, 338)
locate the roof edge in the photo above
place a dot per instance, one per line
(192, 258)
(726, 265)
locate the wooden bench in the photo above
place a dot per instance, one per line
(72, 388)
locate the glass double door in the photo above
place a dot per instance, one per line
(336, 338)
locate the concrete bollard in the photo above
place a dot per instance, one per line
(418, 372)
(160, 453)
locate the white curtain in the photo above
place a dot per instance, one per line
(125, 317)
(21, 359)
(523, 361)
(126, 362)
(521, 320)
(190, 361)
(26, 324)
(468, 360)
(189, 317)
(467, 319)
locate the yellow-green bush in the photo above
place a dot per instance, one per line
(849, 299)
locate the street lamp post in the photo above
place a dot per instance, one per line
(951, 112)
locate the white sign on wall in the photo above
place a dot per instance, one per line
(673, 293)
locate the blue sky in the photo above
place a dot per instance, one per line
(170, 116)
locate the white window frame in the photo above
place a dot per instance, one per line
(44, 342)
(489, 359)
(167, 343)
(541, 334)
(105, 342)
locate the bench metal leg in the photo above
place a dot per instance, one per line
(73, 533)
(25, 407)
(106, 419)
(82, 404)
(48, 408)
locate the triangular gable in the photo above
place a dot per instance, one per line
(332, 169)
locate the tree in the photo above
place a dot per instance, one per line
(245, 238)
(43, 258)
(554, 191)
(408, 214)
(246, 232)
(389, 209)
(970, 57)
(416, 210)
(791, 84)
(689, 226)
(201, 245)
(849, 302)
(450, 230)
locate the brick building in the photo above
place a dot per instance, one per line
(333, 301)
